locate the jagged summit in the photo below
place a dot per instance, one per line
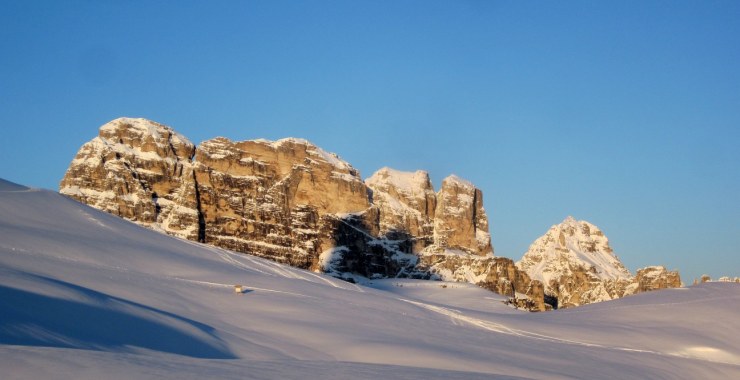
(574, 242)
(147, 126)
(413, 191)
(577, 266)
(401, 180)
(140, 170)
(575, 263)
(570, 220)
(406, 203)
(454, 179)
(460, 199)
(143, 133)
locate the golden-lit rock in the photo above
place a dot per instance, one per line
(294, 203)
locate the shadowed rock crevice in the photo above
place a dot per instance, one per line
(358, 253)
(201, 217)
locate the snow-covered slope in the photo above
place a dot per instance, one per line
(87, 295)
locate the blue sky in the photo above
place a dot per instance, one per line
(626, 114)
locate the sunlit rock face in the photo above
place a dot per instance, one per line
(294, 203)
(448, 232)
(140, 170)
(577, 266)
(460, 220)
(268, 198)
(653, 278)
(406, 204)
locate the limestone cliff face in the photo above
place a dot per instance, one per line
(460, 221)
(406, 204)
(294, 203)
(268, 198)
(448, 233)
(498, 274)
(453, 218)
(577, 266)
(140, 170)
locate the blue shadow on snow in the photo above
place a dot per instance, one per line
(106, 323)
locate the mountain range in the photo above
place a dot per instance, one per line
(294, 203)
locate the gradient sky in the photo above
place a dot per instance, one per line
(625, 114)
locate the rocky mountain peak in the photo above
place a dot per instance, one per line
(408, 182)
(147, 136)
(412, 189)
(457, 200)
(570, 220)
(140, 170)
(454, 180)
(573, 244)
(577, 266)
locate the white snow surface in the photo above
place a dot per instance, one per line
(87, 295)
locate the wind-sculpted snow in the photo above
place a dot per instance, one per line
(87, 295)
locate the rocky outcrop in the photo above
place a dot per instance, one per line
(577, 266)
(294, 203)
(139, 170)
(268, 198)
(448, 232)
(653, 278)
(460, 222)
(706, 278)
(729, 279)
(498, 274)
(406, 205)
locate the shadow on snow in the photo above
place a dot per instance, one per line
(103, 322)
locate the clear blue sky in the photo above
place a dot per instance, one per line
(626, 114)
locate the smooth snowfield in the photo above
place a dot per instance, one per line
(87, 295)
